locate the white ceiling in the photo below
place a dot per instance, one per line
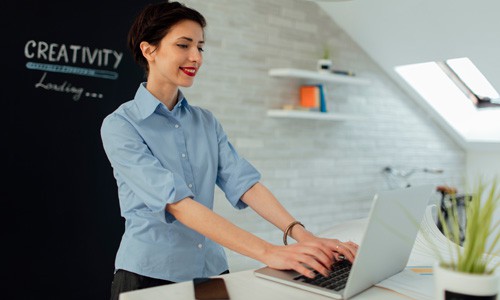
(397, 32)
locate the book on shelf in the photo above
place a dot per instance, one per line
(322, 98)
(312, 97)
(343, 72)
(309, 96)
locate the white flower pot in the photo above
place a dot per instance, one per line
(325, 65)
(453, 285)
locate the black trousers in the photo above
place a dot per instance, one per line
(125, 281)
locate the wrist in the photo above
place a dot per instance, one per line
(301, 234)
(297, 231)
(266, 253)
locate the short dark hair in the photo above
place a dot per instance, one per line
(154, 22)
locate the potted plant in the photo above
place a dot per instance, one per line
(468, 271)
(325, 63)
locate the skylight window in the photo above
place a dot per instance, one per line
(472, 77)
(444, 81)
(440, 92)
(460, 94)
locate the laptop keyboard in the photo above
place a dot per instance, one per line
(335, 281)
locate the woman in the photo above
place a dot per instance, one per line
(167, 156)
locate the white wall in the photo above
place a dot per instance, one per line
(483, 163)
(323, 172)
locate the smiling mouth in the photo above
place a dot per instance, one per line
(190, 71)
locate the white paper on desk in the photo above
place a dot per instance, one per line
(410, 284)
(431, 243)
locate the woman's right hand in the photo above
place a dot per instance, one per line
(315, 253)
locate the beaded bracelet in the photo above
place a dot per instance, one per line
(288, 229)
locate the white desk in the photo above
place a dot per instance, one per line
(245, 285)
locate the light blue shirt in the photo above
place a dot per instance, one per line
(159, 157)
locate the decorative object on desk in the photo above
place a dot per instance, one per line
(454, 285)
(468, 272)
(325, 63)
(450, 197)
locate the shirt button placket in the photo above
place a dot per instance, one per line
(184, 156)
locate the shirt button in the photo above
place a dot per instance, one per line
(183, 155)
(176, 125)
(190, 185)
(200, 246)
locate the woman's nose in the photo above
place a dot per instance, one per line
(195, 55)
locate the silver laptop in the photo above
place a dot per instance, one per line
(384, 250)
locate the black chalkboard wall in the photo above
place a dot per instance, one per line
(67, 67)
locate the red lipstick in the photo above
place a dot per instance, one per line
(190, 71)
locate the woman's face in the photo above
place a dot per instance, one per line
(179, 55)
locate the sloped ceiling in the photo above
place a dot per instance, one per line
(395, 32)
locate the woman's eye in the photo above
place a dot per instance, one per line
(182, 46)
(200, 49)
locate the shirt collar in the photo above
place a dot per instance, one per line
(147, 103)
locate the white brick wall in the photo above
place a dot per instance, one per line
(323, 172)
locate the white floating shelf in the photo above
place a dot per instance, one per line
(314, 115)
(313, 75)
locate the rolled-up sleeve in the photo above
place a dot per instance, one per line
(139, 170)
(235, 175)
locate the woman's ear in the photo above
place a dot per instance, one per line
(147, 50)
